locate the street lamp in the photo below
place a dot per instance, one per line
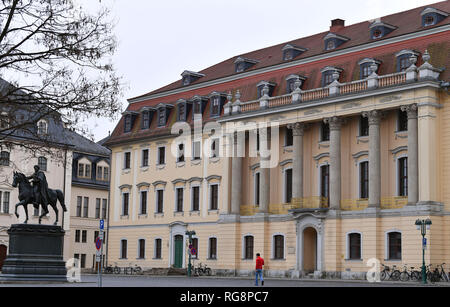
(190, 234)
(423, 225)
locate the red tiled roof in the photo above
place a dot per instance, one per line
(359, 34)
(437, 45)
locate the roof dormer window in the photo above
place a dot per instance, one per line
(290, 82)
(290, 52)
(364, 67)
(182, 110)
(129, 118)
(432, 16)
(404, 59)
(42, 127)
(189, 77)
(332, 41)
(198, 105)
(379, 29)
(242, 64)
(146, 117)
(327, 75)
(260, 86)
(163, 113)
(217, 102)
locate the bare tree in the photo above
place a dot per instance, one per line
(55, 62)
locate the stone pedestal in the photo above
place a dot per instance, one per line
(35, 254)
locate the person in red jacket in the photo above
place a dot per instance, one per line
(259, 269)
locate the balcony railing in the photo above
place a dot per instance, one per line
(335, 89)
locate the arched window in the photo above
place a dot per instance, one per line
(123, 249)
(42, 163)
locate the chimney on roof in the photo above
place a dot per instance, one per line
(337, 24)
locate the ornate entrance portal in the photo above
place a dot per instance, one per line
(309, 250)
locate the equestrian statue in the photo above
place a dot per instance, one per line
(37, 194)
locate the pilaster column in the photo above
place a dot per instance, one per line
(264, 191)
(298, 130)
(335, 161)
(236, 178)
(374, 118)
(413, 154)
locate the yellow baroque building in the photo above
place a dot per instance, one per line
(320, 154)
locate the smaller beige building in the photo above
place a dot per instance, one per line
(89, 199)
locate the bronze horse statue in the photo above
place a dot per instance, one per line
(26, 196)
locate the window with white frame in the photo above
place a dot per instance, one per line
(143, 205)
(257, 188)
(141, 249)
(354, 246)
(42, 127)
(402, 165)
(364, 180)
(125, 203)
(248, 247)
(159, 201)
(196, 150)
(288, 185)
(127, 160)
(145, 157)
(214, 196)
(123, 249)
(394, 245)
(42, 163)
(278, 246)
(212, 248)
(4, 158)
(179, 192)
(4, 202)
(195, 190)
(158, 249)
(161, 155)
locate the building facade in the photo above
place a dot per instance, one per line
(320, 154)
(89, 198)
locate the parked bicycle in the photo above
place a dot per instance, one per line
(112, 269)
(133, 269)
(388, 274)
(412, 274)
(438, 274)
(202, 270)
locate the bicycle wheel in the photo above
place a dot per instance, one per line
(116, 270)
(208, 271)
(404, 276)
(416, 275)
(395, 275)
(138, 270)
(383, 275)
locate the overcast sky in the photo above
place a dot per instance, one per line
(158, 40)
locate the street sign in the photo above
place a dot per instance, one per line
(102, 224)
(193, 251)
(101, 235)
(98, 243)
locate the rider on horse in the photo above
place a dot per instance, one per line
(40, 187)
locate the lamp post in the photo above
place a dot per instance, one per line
(423, 225)
(190, 234)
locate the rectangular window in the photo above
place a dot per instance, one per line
(257, 186)
(127, 124)
(327, 78)
(79, 204)
(215, 109)
(99, 173)
(248, 241)
(288, 187)
(104, 206)
(86, 207)
(161, 155)
(395, 246)
(145, 157)
(141, 249)
(364, 70)
(123, 249)
(77, 235)
(212, 248)
(5, 202)
(363, 126)
(195, 198)
(215, 148)
(364, 180)
(143, 202)
(214, 205)
(403, 176)
(161, 117)
(325, 132)
(402, 121)
(87, 170)
(97, 207)
(279, 247)
(159, 201)
(84, 236)
(354, 246)
(325, 181)
(80, 170)
(145, 120)
(181, 112)
(83, 261)
(125, 203)
(106, 173)
(180, 157)
(179, 199)
(127, 160)
(289, 139)
(158, 246)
